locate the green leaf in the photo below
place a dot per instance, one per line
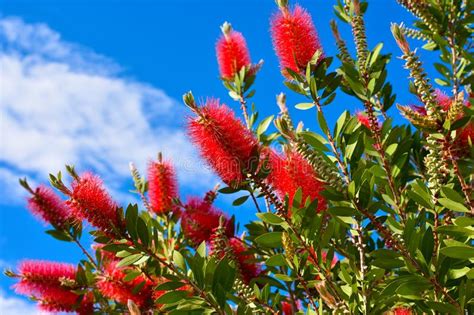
(201, 250)
(179, 260)
(304, 106)
(375, 54)
(131, 275)
(322, 122)
(455, 231)
(428, 244)
(276, 260)
(342, 211)
(460, 252)
(129, 260)
(224, 275)
(270, 218)
(263, 126)
(414, 289)
(444, 308)
(240, 200)
(271, 239)
(452, 205)
(60, 235)
(387, 259)
(171, 297)
(170, 285)
(131, 215)
(452, 194)
(283, 277)
(142, 230)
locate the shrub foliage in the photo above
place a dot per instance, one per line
(364, 217)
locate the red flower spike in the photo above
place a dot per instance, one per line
(90, 201)
(248, 268)
(48, 207)
(223, 140)
(200, 219)
(232, 52)
(162, 186)
(45, 281)
(287, 308)
(465, 134)
(402, 311)
(60, 300)
(38, 276)
(294, 38)
(363, 119)
(293, 172)
(112, 285)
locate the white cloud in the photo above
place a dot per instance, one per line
(61, 103)
(13, 306)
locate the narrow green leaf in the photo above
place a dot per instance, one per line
(461, 252)
(270, 218)
(271, 239)
(304, 106)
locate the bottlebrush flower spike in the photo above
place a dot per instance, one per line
(232, 52)
(90, 201)
(363, 119)
(59, 300)
(292, 172)
(162, 185)
(48, 206)
(295, 39)
(112, 285)
(402, 311)
(454, 111)
(199, 220)
(37, 276)
(50, 283)
(223, 140)
(248, 268)
(287, 308)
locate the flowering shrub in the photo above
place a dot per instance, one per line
(367, 217)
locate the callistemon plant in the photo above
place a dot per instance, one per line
(367, 216)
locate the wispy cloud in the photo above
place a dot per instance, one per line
(62, 103)
(13, 305)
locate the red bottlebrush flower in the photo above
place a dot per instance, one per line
(293, 172)
(232, 52)
(248, 268)
(363, 119)
(38, 276)
(443, 100)
(466, 135)
(90, 201)
(49, 283)
(112, 285)
(47, 206)
(333, 261)
(287, 308)
(60, 300)
(223, 140)
(162, 186)
(402, 311)
(294, 38)
(200, 219)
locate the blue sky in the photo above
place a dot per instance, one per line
(99, 84)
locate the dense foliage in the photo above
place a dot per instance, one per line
(367, 217)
